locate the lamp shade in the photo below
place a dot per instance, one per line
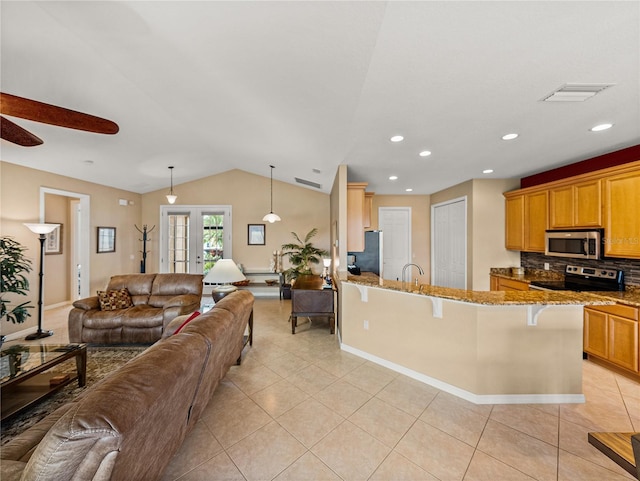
(224, 271)
(171, 198)
(271, 217)
(42, 228)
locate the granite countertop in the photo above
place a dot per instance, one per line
(480, 297)
(630, 296)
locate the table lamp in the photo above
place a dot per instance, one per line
(224, 272)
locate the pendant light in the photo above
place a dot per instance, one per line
(171, 198)
(271, 217)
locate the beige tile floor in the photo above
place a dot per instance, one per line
(300, 409)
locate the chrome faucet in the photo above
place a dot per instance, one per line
(404, 269)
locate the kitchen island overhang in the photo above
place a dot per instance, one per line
(480, 346)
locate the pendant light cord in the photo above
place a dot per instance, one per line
(272, 167)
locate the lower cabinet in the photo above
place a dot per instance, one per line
(611, 334)
(502, 284)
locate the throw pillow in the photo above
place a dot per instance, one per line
(187, 321)
(112, 300)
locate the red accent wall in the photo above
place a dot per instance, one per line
(619, 157)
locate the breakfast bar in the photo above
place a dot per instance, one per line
(490, 347)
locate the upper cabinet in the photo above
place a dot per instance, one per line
(575, 205)
(355, 216)
(368, 207)
(536, 207)
(608, 198)
(622, 215)
(526, 220)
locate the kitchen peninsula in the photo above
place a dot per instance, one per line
(488, 347)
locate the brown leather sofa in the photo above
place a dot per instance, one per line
(129, 425)
(156, 299)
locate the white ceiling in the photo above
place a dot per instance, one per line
(211, 86)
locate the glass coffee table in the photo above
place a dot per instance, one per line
(27, 374)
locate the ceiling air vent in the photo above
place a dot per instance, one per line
(308, 182)
(575, 92)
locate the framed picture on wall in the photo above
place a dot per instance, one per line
(53, 242)
(106, 239)
(256, 235)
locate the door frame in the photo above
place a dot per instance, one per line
(433, 239)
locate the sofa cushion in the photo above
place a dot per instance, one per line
(139, 286)
(116, 299)
(142, 316)
(166, 287)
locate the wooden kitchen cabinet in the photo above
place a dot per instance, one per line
(611, 334)
(501, 284)
(575, 205)
(355, 216)
(535, 220)
(621, 215)
(526, 220)
(368, 208)
(596, 333)
(623, 342)
(514, 223)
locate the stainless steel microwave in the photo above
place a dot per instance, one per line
(579, 244)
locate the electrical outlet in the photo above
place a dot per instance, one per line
(546, 266)
(366, 325)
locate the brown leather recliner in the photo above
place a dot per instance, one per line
(157, 299)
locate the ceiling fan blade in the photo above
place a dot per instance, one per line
(51, 114)
(17, 135)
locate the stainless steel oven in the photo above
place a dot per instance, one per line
(578, 244)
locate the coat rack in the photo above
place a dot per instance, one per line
(144, 232)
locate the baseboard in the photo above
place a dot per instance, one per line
(466, 395)
(59, 304)
(20, 334)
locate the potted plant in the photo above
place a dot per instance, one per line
(13, 266)
(302, 256)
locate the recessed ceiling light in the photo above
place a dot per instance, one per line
(408, 190)
(397, 138)
(487, 171)
(425, 153)
(393, 177)
(509, 136)
(600, 127)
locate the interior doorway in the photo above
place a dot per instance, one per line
(449, 243)
(80, 237)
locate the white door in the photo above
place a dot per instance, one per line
(193, 238)
(395, 224)
(449, 244)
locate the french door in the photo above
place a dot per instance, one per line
(194, 237)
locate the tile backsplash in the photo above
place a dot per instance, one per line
(631, 267)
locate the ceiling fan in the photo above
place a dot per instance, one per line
(23, 108)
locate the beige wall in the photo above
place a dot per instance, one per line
(20, 202)
(485, 226)
(300, 209)
(420, 227)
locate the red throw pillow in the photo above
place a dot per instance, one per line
(187, 320)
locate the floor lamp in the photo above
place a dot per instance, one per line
(43, 230)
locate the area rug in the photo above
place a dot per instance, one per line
(101, 360)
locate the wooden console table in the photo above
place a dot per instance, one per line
(309, 299)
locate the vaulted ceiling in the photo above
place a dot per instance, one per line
(209, 86)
